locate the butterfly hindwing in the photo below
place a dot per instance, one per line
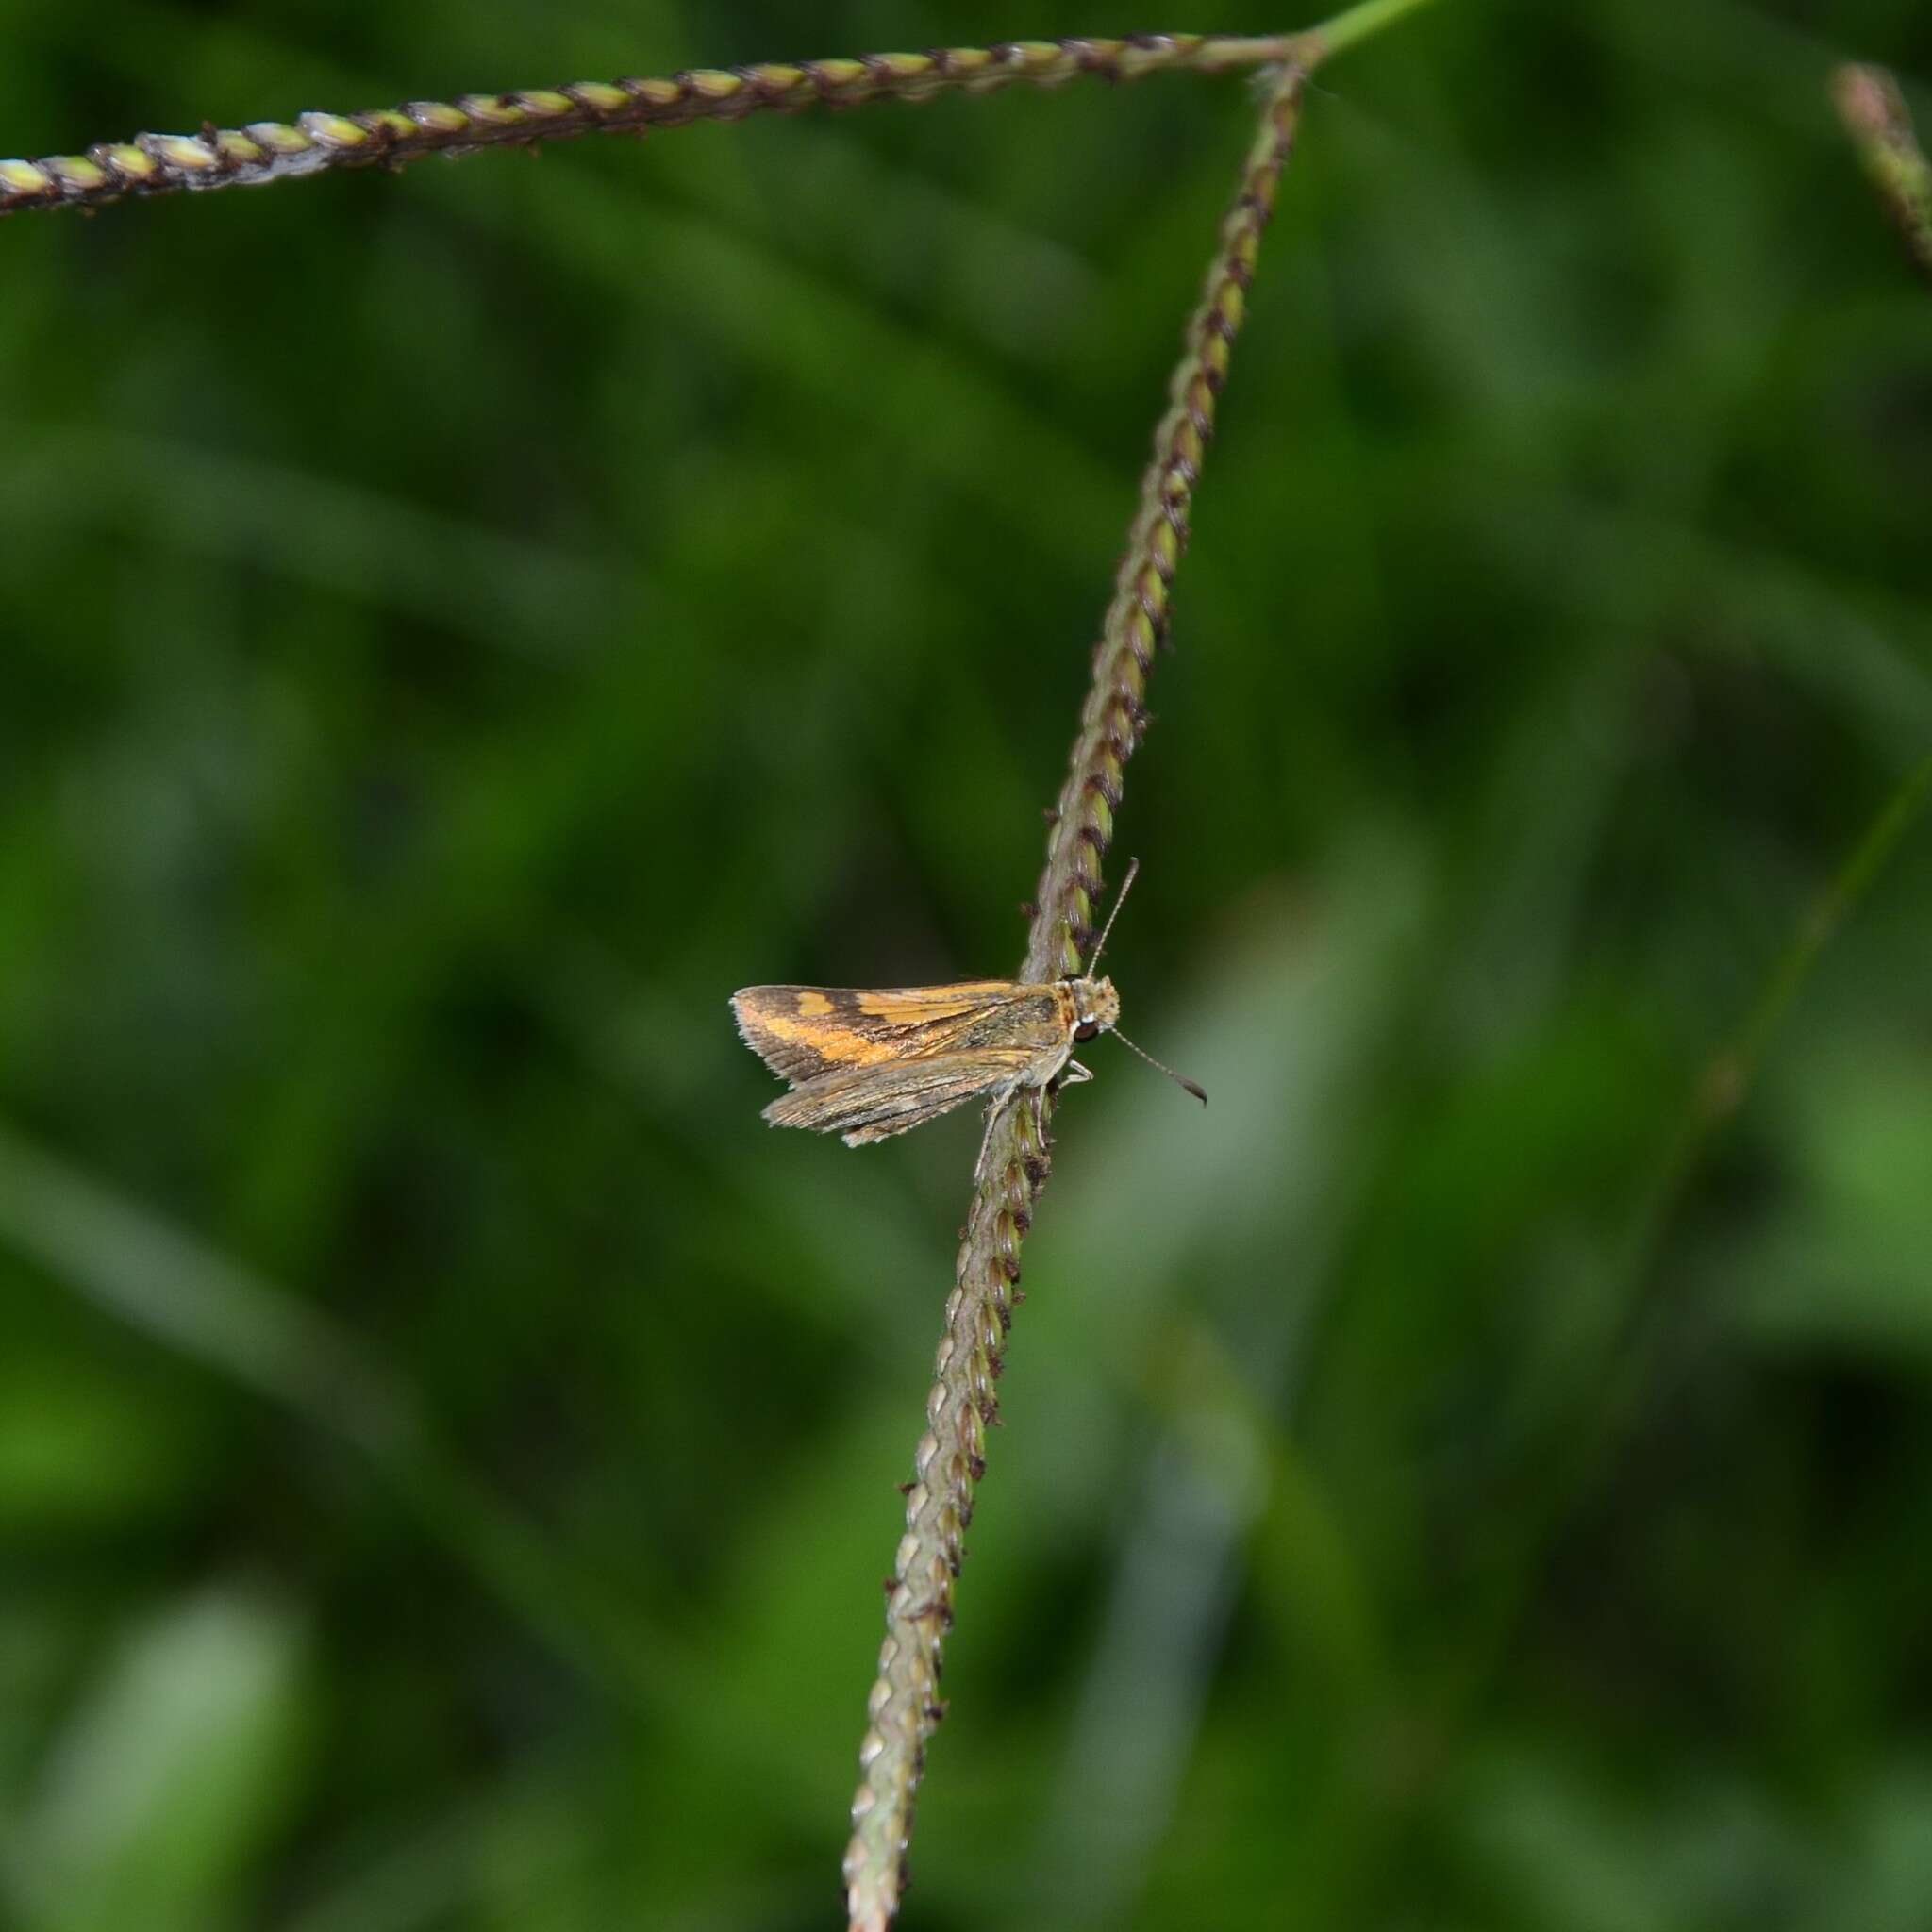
(868, 1104)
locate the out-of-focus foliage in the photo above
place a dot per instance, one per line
(458, 628)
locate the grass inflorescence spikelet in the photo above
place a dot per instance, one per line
(1874, 114)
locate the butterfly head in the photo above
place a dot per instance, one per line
(1096, 1007)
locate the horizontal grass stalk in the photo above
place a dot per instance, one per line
(262, 152)
(315, 143)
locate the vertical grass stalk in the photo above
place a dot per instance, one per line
(904, 1704)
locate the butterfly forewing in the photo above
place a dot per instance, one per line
(802, 1031)
(868, 1063)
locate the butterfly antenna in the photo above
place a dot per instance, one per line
(1119, 898)
(1178, 1080)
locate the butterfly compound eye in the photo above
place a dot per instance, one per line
(1086, 1030)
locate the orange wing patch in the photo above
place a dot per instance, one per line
(796, 1032)
(921, 1006)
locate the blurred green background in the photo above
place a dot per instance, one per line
(459, 626)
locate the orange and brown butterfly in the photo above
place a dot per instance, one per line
(870, 1064)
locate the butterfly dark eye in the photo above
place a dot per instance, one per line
(1086, 1030)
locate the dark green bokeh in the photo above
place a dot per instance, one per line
(458, 628)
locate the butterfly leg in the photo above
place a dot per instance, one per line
(993, 1108)
(1073, 1073)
